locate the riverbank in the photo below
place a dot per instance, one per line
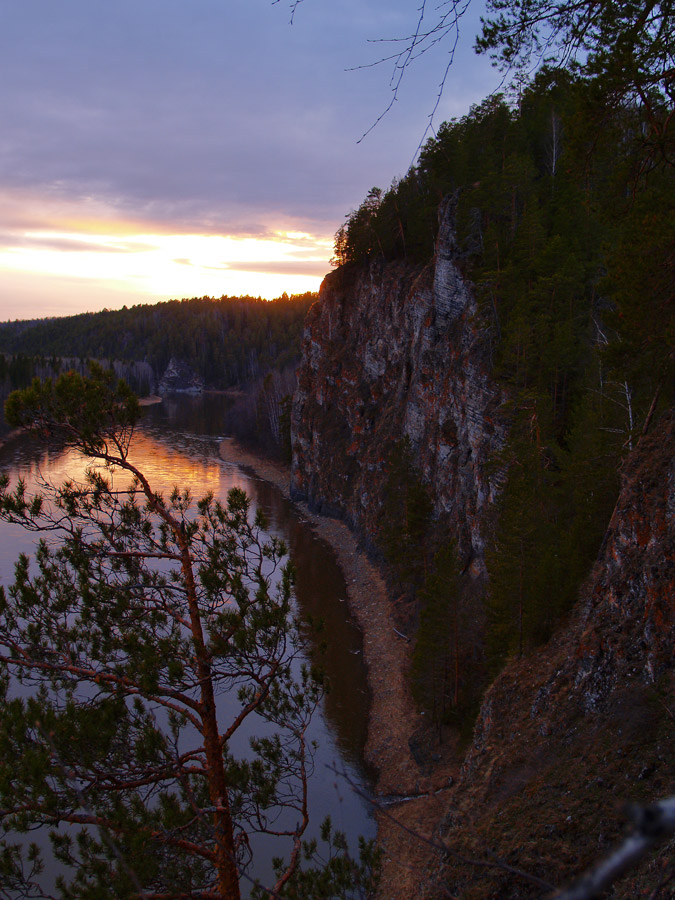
(413, 791)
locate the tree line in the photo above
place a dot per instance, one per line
(572, 256)
(228, 341)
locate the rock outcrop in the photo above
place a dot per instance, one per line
(391, 352)
(179, 377)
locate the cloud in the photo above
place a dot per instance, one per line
(69, 244)
(212, 118)
(203, 117)
(285, 267)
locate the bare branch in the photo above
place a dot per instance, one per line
(653, 825)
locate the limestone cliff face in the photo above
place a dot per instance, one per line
(568, 735)
(181, 378)
(393, 352)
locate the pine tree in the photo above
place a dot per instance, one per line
(406, 516)
(116, 642)
(437, 670)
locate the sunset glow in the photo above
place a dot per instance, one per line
(149, 152)
(152, 267)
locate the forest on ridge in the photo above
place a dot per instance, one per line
(562, 195)
(565, 227)
(227, 341)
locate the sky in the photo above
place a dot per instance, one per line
(157, 149)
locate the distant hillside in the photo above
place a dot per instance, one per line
(227, 341)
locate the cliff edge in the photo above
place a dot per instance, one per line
(393, 352)
(569, 733)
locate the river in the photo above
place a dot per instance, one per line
(177, 443)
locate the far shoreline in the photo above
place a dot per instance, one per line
(150, 400)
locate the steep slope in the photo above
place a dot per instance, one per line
(390, 352)
(570, 734)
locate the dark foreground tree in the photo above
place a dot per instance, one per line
(148, 636)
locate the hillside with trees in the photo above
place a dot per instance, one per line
(227, 341)
(485, 397)
(242, 343)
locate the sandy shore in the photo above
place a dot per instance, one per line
(393, 718)
(150, 400)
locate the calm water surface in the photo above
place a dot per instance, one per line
(177, 444)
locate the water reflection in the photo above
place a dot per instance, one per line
(200, 414)
(186, 426)
(321, 592)
(177, 444)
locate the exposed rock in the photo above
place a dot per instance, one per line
(389, 352)
(179, 377)
(587, 723)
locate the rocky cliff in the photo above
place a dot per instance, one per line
(180, 377)
(393, 352)
(569, 735)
